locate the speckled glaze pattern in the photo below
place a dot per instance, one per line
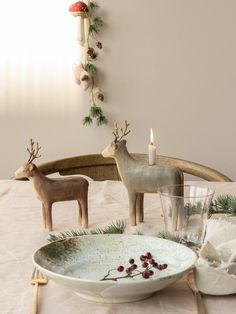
(80, 263)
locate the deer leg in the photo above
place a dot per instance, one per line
(132, 208)
(84, 212)
(139, 207)
(44, 216)
(48, 214)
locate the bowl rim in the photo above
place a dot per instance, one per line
(74, 279)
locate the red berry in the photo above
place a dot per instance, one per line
(155, 265)
(133, 266)
(145, 274)
(164, 266)
(145, 264)
(128, 270)
(142, 258)
(131, 261)
(152, 261)
(159, 267)
(120, 268)
(148, 255)
(151, 272)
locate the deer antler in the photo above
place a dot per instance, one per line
(116, 132)
(124, 132)
(33, 151)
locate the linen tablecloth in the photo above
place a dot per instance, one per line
(21, 233)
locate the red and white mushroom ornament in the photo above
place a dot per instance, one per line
(79, 10)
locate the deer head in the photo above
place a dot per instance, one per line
(27, 169)
(119, 144)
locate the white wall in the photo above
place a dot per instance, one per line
(170, 65)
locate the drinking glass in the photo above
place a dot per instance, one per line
(185, 209)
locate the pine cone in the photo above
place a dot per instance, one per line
(99, 45)
(101, 97)
(85, 78)
(90, 51)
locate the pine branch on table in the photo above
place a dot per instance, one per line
(116, 227)
(169, 236)
(223, 204)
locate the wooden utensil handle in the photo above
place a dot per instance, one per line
(34, 303)
(200, 304)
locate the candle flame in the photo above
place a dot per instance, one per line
(151, 137)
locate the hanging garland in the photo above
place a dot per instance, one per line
(89, 25)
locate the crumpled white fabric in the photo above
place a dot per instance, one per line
(216, 265)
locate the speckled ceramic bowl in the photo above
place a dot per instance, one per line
(80, 263)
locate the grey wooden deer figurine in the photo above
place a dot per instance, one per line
(139, 178)
(50, 190)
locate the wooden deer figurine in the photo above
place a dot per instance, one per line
(50, 191)
(139, 178)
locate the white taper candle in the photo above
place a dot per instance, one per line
(151, 150)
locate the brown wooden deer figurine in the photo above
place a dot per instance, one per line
(139, 178)
(50, 190)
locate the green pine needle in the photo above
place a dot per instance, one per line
(95, 111)
(93, 29)
(92, 6)
(223, 204)
(87, 120)
(98, 22)
(95, 25)
(117, 227)
(91, 69)
(169, 236)
(232, 204)
(101, 120)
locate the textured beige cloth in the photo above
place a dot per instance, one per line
(21, 233)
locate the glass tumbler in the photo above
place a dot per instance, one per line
(185, 209)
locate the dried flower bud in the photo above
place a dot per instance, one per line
(101, 97)
(85, 78)
(99, 45)
(90, 51)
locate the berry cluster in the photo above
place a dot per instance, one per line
(148, 263)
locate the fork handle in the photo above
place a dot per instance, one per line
(200, 304)
(34, 303)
